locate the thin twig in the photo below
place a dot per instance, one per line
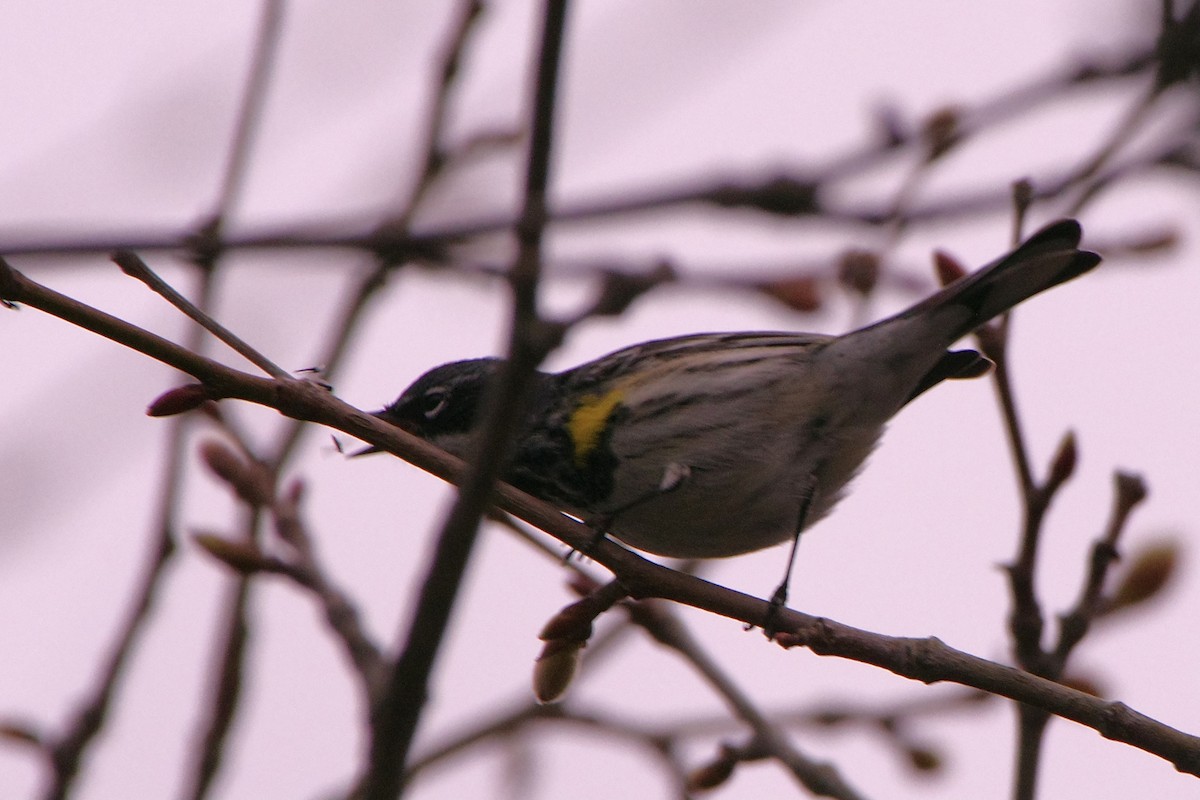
(1129, 492)
(761, 195)
(206, 250)
(925, 660)
(821, 779)
(400, 243)
(340, 612)
(132, 264)
(90, 717)
(1136, 117)
(433, 153)
(253, 100)
(229, 649)
(66, 752)
(434, 159)
(1027, 619)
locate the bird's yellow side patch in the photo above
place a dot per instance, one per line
(588, 421)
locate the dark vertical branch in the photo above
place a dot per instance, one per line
(396, 716)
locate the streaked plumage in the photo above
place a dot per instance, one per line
(745, 426)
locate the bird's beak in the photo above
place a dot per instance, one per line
(366, 451)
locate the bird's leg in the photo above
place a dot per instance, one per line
(779, 597)
(674, 475)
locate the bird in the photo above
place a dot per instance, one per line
(717, 444)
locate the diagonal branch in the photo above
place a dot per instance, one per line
(925, 660)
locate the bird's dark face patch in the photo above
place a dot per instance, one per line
(445, 402)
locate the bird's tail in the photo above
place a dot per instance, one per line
(908, 351)
(1049, 257)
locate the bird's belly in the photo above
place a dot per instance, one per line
(699, 522)
(735, 502)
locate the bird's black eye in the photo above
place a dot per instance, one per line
(434, 402)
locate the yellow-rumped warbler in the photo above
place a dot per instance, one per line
(719, 444)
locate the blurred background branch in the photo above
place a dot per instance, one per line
(862, 202)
